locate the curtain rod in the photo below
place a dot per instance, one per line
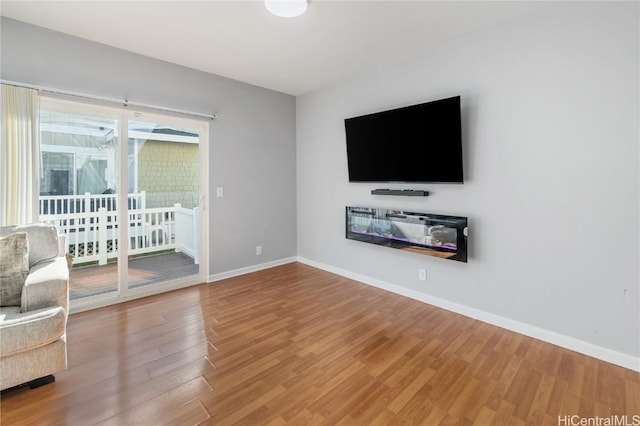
(125, 102)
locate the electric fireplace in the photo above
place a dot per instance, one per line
(425, 233)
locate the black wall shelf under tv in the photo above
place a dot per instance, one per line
(405, 192)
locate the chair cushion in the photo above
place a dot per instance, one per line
(29, 330)
(43, 240)
(14, 267)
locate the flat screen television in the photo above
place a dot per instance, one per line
(419, 143)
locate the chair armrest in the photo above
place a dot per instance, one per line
(62, 245)
(46, 285)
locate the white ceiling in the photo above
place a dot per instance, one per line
(241, 40)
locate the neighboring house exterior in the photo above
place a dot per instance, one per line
(81, 158)
(168, 173)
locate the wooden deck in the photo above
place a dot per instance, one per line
(92, 280)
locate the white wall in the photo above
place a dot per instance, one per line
(550, 128)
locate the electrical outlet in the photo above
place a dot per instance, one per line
(219, 191)
(422, 274)
(258, 250)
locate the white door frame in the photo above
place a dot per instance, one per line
(124, 115)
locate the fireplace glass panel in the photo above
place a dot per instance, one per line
(425, 233)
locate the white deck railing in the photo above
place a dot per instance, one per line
(65, 204)
(187, 236)
(92, 233)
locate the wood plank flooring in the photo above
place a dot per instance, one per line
(294, 345)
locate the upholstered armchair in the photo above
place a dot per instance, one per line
(34, 300)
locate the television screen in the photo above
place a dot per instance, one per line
(418, 143)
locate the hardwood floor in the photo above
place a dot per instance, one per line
(296, 345)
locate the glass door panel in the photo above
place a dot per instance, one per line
(79, 174)
(163, 208)
(130, 211)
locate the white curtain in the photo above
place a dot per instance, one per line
(19, 156)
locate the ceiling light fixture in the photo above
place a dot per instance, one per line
(286, 8)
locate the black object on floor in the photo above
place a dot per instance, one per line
(41, 381)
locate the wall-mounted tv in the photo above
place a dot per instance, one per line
(418, 143)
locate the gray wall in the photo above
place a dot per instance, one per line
(550, 113)
(252, 145)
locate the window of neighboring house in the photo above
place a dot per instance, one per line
(73, 173)
(57, 177)
(78, 155)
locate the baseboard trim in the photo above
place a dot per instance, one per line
(608, 355)
(248, 269)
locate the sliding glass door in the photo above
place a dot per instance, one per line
(164, 218)
(79, 177)
(127, 189)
